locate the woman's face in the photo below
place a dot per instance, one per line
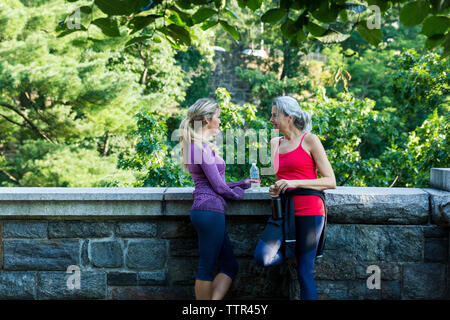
(213, 124)
(279, 121)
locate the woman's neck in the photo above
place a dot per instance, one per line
(292, 133)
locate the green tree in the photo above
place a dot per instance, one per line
(76, 94)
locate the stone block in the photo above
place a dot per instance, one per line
(182, 271)
(17, 285)
(136, 229)
(436, 250)
(149, 254)
(370, 205)
(265, 283)
(389, 243)
(183, 248)
(335, 266)
(424, 281)
(440, 178)
(54, 285)
(152, 293)
(25, 229)
(106, 254)
(181, 228)
(332, 290)
(391, 290)
(152, 278)
(440, 206)
(122, 279)
(358, 290)
(340, 237)
(79, 229)
(40, 254)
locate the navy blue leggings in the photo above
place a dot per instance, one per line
(308, 230)
(214, 245)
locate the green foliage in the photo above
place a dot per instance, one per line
(427, 147)
(62, 98)
(420, 84)
(266, 87)
(153, 155)
(300, 20)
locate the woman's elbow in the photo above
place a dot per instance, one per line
(332, 183)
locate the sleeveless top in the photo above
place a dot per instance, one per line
(299, 165)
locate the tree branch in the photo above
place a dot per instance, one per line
(12, 121)
(27, 120)
(11, 177)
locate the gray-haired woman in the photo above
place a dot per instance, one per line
(297, 156)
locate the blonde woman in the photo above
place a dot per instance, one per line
(211, 192)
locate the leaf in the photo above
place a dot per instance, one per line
(333, 36)
(86, 9)
(434, 41)
(208, 24)
(120, 7)
(232, 31)
(138, 22)
(372, 36)
(136, 40)
(202, 14)
(288, 28)
(254, 4)
(67, 31)
(179, 34)
(326, 12)
(184, 4)
(231, 13)
(108, 26)
(435, 25)
(185, 18)
(446, 46)
(273, 15)
(382, 4)
(315, 29)
(413, 13)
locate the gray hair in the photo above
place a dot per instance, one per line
(290, 107)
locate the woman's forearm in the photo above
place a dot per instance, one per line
(317, 184)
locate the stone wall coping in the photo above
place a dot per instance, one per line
(150, 193)
(80, 194)
(345, 204)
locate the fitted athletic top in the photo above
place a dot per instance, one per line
(299, 165)
(208, 172)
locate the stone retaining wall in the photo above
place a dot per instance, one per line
(138, 243)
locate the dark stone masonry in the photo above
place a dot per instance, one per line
(140, 244)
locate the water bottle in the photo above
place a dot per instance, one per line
(254, 174)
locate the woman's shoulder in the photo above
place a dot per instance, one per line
(311, 141)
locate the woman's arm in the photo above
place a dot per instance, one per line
(328, 180)
(244, 184)
(211, 172)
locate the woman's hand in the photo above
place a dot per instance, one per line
(252, 180)
(283, 185)
(274, 191)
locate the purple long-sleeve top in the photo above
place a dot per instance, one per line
(211, 190)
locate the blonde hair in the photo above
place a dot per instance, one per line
(204, 107)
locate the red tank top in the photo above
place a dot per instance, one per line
(299, 165)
